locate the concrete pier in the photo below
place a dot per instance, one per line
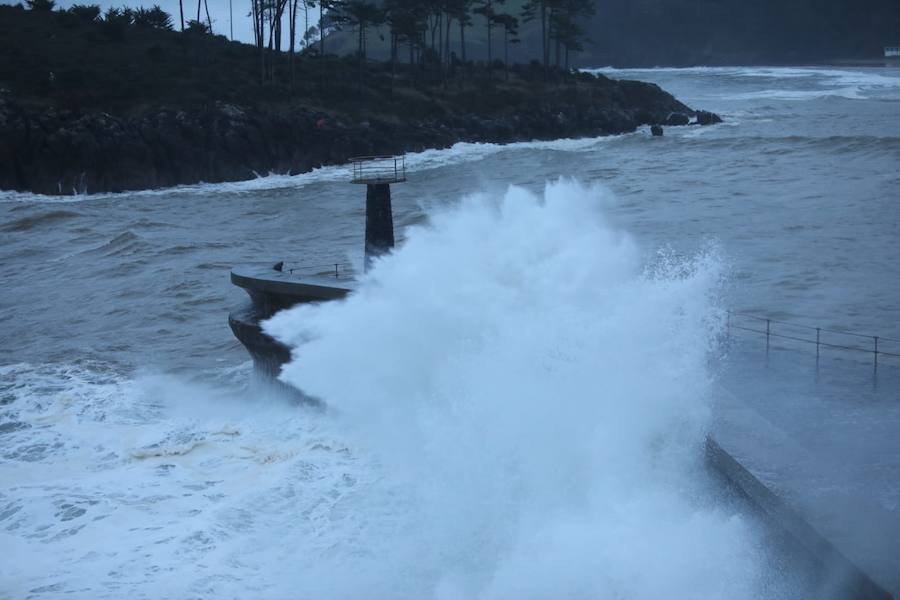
(271, 291)
(815, 446)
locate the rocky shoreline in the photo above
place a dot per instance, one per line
(59, 152)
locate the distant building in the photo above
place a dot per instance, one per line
(892, 51)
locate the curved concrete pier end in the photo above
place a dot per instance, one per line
(274, 287)
(270, 291)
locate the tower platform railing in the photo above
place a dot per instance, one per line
(378, 170)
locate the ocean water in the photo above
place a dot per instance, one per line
(516, 400)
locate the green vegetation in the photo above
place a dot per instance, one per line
(423, 27)
(126, 60)
(40, 5)
(446, 30)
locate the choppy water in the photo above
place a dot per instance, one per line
(135, 460)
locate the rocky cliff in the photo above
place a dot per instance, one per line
(65, 151)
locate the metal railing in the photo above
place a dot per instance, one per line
(338, 270)
(824, 337)
(378, 169)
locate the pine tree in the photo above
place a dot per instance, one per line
(486, 8)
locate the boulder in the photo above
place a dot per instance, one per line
(656, 130)
(707, 118)
(677, 119)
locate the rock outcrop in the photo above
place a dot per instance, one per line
(54, 151)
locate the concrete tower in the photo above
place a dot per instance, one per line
(377, 173)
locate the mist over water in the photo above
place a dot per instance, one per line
(539, 399)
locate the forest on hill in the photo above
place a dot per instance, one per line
(644, 33)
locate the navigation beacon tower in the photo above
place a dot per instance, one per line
(377, 173)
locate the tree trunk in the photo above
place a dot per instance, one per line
(360, 52)
(321, 30)
(279, 22)
(557, 52)
(447, 39)
(490, 25)
(293, 33)
(258, 34)
(181, 12)
(506, 51)
(393, 62)
(462, 39)
(440, 50)
(321, 45)
(433, 28)
(277, 31)
(253, 16)
(544, 49)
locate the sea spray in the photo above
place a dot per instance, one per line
(536, 400)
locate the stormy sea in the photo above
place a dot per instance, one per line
(514, 403)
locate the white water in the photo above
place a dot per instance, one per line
(537, 401)
(517, 407)
(786, 83)
(415, 162)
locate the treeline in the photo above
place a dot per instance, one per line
(418, 31)
(118, 18)
(421, 29)
(127, 59)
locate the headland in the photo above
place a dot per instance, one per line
(88, 106)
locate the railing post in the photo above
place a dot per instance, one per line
(335, 270)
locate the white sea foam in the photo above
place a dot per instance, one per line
(153, 487)
(465, 152)
(517, 408)
(460, 153)
(849, 92)
(787, 83)
(536, 399)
